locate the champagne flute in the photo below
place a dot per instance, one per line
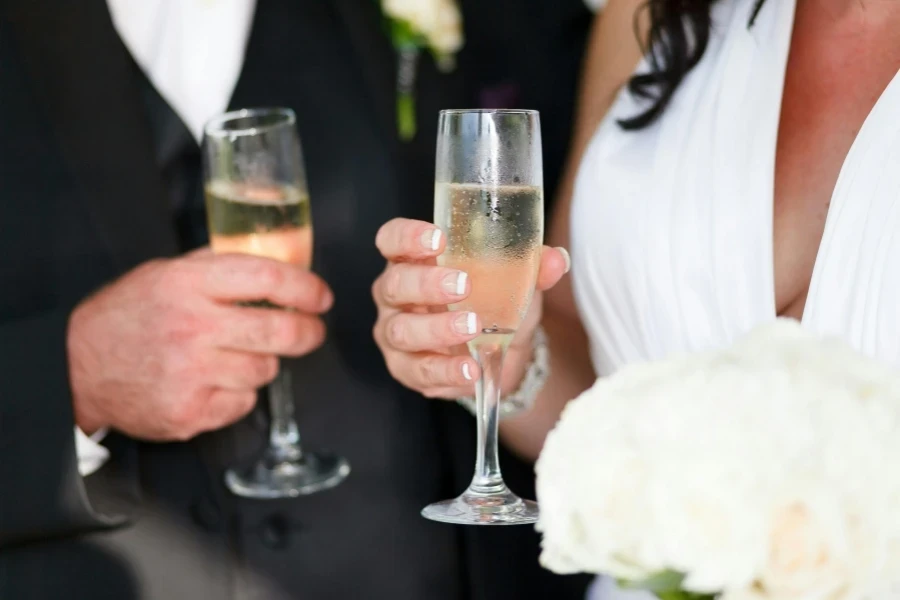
(257, 203)
(489, 202)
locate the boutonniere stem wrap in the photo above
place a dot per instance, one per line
(416, 25)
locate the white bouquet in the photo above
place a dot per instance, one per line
(770, 470)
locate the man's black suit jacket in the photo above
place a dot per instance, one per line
(82, 201)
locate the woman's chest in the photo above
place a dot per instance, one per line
(833, 80)
(755, 194)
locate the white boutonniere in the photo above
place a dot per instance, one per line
(416, 25)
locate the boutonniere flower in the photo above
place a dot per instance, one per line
(416, 25)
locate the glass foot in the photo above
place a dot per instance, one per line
(269, 479)
(472, 508)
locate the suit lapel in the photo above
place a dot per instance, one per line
(414, 160)
(83, 77)
(378, 61)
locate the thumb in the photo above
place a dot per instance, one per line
(555, 262)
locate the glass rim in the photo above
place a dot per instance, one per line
(490, 111)
(215, 127)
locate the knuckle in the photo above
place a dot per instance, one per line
(269, 369)
(270, 275)
(315, 335)
(397, 333)
(301, 334)
(244, 403)
(390, 236)
(181, 329)
(181, 420)
(284, 330)
(260, 369)
(382, 235)
(376, 333)
(263, 331)
(321, 292)
(390, 288)
(173, 364)
(309, 285)
(427, 372)
(376, 288)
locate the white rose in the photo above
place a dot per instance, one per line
(446, 37)
(812, 554)
(764, 471)
(823, 547)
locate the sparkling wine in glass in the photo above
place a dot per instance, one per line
(257, 204)
(271, 221)
(489, 202)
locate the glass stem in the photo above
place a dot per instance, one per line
(488, 479)
(284, 436)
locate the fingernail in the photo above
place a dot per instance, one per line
(465, 323)
(455, 283)
(566, 257)
(431, 239)
(467, 371)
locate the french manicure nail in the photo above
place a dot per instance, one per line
(465, 323)
(431, 239)
(566, 257)
(467, 372)
(455, 283)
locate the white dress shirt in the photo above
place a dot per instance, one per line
(192, 51)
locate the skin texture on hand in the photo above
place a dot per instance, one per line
(166, 353)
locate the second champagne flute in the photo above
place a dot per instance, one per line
(257, 203)
(489, 202)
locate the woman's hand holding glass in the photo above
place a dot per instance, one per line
(423, 343)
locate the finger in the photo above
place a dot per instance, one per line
(243, 370)
(423, 371)
(266, 331)
(406, 284)
(555, 262)
(450, 393)
(406, 239)
(411, 332)
(225, 407)
(239, 277)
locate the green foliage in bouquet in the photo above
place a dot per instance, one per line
(665, 586)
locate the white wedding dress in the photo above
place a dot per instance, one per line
(672, 225)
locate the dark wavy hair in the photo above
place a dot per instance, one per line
(678, 36)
